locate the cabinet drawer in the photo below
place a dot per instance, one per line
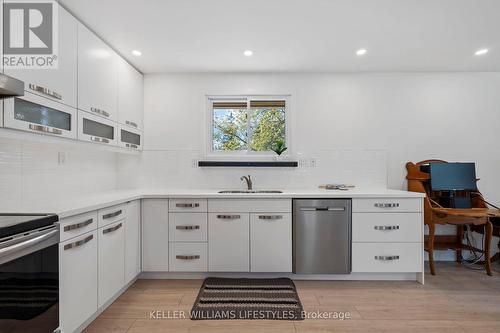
(187, 227)
(387, 257)
(111, 214)
(384, 205)
(187, 205)
(77, 225)
(250, 205)
(188, 257)
(387, 227)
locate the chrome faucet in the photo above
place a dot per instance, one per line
(248, 180)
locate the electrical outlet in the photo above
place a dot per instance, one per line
(61, 158)
(313, 162)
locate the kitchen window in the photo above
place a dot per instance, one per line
(247, 125)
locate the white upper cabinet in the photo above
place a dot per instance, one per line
(56, 84)
(130, 95)
(97, 75)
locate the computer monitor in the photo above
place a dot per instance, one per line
(453, 176)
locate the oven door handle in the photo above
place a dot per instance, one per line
(26, 244)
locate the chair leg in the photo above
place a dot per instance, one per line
(430, 247)
(460, 237)
(488, 231)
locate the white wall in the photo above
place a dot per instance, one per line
(30, 172)
(361, 128)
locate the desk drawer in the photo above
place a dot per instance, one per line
(387, 257)
(387, 227)
(188, 257)
(386, 205)
(187, 205)
(187, 227)
(77, 225)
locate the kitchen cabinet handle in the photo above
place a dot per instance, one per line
(187, 227)
(116, 227)
(187, 205)
(270, 217)
(97, 139)
(130, 145)
(187, 257)
(386, 258)
(78, 243)
(45, 129)
(386, 227)
(45, 91)
(386, 205)
(100, 112)
(131, 123)
(110, 215)
(229, 217)
(78, 225)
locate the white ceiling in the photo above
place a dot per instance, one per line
(298, 35)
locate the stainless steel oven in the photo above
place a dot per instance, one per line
(29, 273)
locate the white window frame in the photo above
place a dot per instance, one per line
(244, 154)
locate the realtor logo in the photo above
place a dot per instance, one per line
(30, 34)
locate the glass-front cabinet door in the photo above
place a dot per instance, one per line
(130, 138)
(96, 129)
(38, 114)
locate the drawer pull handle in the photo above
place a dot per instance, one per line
(45, 91)
(116, 227)
(100, 112)
(97, 139)
(270, 217)
(45, 129)
(228, 217)
(386, 258)
(131, 123)
(387, 205)
(78, 225)
(78, 243)
(187, 205)
(187, 227)
(188, 257)
(110, 215)
(330, 209)
(386, 227)
(130, 145)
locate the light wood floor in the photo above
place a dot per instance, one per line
(456, 300)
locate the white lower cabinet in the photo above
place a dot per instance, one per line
(111, 263)
(78, 280)
(386, 257)
(228, 242)
(271, 242)
(155, 235)
(132, 240)
(188, 257)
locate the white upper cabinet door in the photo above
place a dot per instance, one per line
(132, 240)
(228, 242)
(56, 84)
(130, 95)
(271, 242)
(97, 75)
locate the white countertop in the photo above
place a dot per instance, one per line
(95, 201)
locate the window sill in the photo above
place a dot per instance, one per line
(246, 164)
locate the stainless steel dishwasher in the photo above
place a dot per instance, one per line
(322, 236)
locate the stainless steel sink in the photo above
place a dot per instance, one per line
(253, 191)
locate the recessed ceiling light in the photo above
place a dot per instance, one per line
(361, 52)
(481, 52)
(137, 53)
(248, 53)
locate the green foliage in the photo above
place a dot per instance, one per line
(267, 128)
(280, 147)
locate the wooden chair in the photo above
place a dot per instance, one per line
(477, 217)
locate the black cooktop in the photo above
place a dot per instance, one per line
(13, 224)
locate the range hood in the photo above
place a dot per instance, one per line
(10, 87)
